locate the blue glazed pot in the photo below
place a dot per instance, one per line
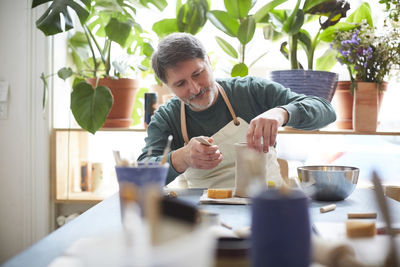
(308, 82)
(281, 231)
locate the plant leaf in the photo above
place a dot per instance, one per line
(246, 30)
(298, 22)
(90, 107)
(288, 24)
(262, 12)
(164, 27)
(304, 39)
(224, 22)
(227, 47)
(363, 12)
(192, 16)
(50, 22)
(327, 60)
(118, 31)
(328, 35)
(240, 69)
(65, 73)
(238, 8)
(312, 3)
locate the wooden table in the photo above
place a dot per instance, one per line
(106, 215)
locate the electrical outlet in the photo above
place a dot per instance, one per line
(3, 111)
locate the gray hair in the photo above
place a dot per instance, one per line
(173, 49)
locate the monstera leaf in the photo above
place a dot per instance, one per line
(90, 106)
(50, 22)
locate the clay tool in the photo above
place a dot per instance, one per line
(202, 140)
(327, 208)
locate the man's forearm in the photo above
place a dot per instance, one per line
(178, 160)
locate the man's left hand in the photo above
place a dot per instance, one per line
(265, 127)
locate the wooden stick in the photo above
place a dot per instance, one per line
(362, 215)
(327, 208)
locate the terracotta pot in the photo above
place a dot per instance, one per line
(124, 93)
(343, 104)
(366, 105)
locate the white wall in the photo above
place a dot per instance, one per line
(24, 136)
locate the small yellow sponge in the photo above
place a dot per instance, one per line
(360, 229)
(219, 193)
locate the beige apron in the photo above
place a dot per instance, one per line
(222, 176)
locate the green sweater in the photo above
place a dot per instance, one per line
(249, 96)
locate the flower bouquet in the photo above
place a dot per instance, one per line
(368, 54)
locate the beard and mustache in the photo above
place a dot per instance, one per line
(210, 101)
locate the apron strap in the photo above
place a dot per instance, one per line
(183, 114)
(183, 124)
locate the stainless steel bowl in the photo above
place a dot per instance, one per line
(328, 183)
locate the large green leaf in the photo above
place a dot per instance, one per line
(238, 8)
(90, 107)
(165, 27)
(246, 30)
(119, 31)
(363, 12)
(50, 22)
(192, 16)
(263, 11)
(224, 22)
(240, 69)
(227, 47)
(326, 61)
(328, 35)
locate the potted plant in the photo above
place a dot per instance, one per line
(107, 26)
(369, 56)
(292, 23)
(237, 22)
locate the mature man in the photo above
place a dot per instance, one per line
(224, 111)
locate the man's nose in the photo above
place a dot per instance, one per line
(194, 87)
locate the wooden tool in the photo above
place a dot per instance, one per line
(327, 208)
(361, 215)
(202, 140)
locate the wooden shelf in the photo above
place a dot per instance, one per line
(81, 197)
(103, 129)
(284, 130)
(288, 130)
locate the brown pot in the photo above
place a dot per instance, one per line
(124, 93)
(343, 104)
(366, 105)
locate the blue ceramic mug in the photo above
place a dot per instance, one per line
(281, 231)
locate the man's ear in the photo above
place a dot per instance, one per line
(209, 61)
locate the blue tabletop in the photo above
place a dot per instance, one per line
(106, 215)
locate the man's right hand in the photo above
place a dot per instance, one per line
(196, 155)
